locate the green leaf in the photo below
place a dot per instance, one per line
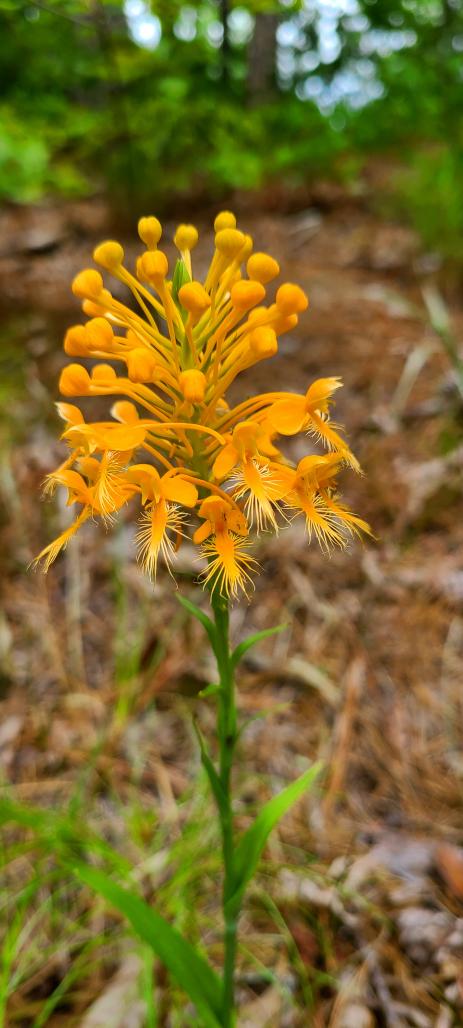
(210, 690)
(243, 647)
(215, 783)
(200, 616)
(251, 844)
(180, 277)
(189, 969)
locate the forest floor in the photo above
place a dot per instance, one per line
(356, 917)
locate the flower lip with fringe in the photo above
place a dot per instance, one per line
(174, 444)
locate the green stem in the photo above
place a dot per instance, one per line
(227, 734)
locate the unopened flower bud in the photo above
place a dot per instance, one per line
(263, 342)
(225, 219)
(246, 294)
(125, 411)
(70, 414)
(154, 266)
(103, 375)
(99, 334)
(74, 381)
(229, 242)
(96, 310)
(193, 385)
(194, 298)
(141, 365)
(110, 255)
(291, 299)
(259, 316)
(284, 323)
(75, 341)
(262, 268)
(88, 284)
(246, 249)
(150, 232)
(186, 237)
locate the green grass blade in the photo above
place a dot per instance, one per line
(251, 844)
(243, 647)
(189, 969)
(58, 833)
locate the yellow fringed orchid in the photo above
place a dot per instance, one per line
(174, 444)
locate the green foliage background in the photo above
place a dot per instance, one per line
(84, 108)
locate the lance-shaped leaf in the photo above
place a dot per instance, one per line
(243, 647)
(200, 616)
(251, 844)
(214, 780)
(180, 277)
(190, 970)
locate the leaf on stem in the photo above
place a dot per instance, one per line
(210, 690)
(215, 783)
(243, 647)
(251, 844)
(202, 617)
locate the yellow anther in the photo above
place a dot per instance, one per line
(263, 342)
(291, 299)
(150, 232)
(75, 341)
(194, 298)
(74, 381)
(229, 242)
(154, 266)
(262, 267)
(88, 284)
(246, 294)
(225, 219)
(100, 335)
(186, 237)
(104, 375)
(110, 255)
(141, 365)
(193, 385)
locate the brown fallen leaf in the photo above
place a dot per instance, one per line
(120, 1004)
(449, 863)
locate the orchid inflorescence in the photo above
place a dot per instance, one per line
(174, 442)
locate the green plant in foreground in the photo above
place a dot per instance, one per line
(218, 462)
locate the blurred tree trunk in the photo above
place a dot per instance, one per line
(224, 12)
(262, 58)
